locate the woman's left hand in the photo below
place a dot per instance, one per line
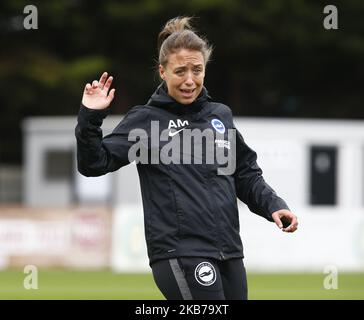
(286, 217)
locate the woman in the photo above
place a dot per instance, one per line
(190, 210)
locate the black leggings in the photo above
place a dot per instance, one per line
(188, 278)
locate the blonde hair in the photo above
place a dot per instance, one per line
(178, 34)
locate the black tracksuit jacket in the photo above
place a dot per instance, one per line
(189, 210)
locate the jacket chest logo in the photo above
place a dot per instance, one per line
(218, 125)
(180, 124)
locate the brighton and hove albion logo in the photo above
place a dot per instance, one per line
(218, 125)
(205, 274)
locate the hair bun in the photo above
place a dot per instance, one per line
(177, 24)
(178, 34)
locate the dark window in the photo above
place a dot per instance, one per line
(323, 175)
(58, 165)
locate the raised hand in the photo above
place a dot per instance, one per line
(97, 96)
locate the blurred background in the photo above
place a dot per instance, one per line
(295, 89)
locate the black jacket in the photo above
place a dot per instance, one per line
(189, 210)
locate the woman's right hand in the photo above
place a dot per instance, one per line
(97, 96)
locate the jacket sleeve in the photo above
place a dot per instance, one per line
(97, 155)
(250, 185)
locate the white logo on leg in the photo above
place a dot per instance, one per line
(205, 274)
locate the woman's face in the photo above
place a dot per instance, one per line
(184, 75)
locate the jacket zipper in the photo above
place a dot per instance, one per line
(221, 254)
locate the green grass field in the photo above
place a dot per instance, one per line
(57, 284)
